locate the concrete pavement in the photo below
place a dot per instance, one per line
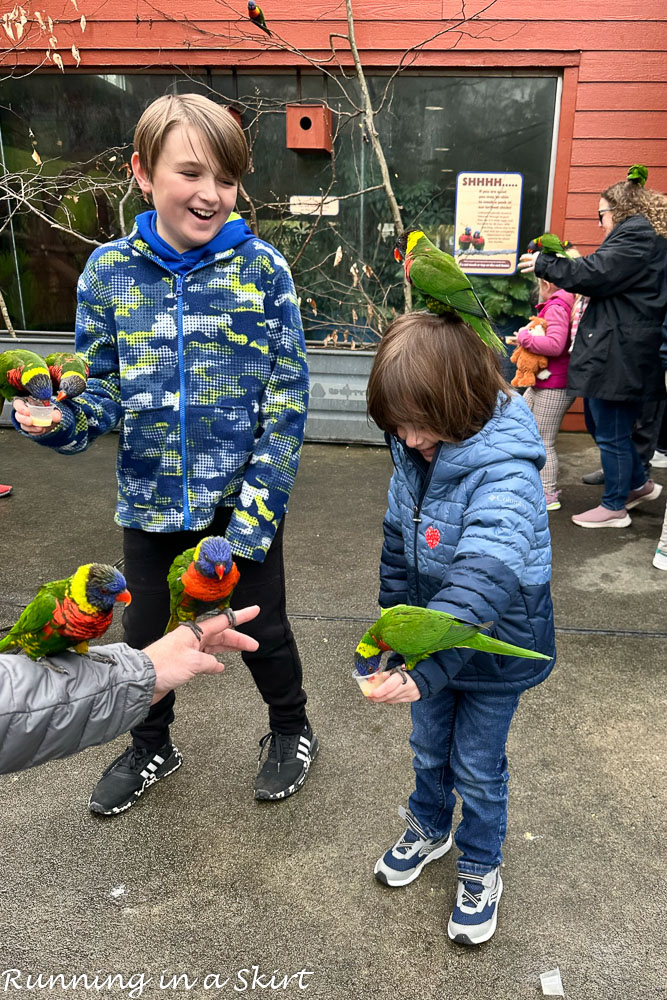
(200, 880)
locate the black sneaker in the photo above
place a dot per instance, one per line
(128, 777)
(287, 763)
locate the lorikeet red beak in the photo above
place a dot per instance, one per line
(125, 597)
(397, 255)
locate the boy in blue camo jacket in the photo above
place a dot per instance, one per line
(192, 331)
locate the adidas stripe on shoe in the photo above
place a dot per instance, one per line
(403, 862)
(287, 763)
(130, 775)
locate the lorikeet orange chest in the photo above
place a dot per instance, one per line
(71, 621)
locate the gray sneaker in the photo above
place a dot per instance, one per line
(403, 862)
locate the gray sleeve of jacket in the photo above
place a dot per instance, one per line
(45, 715)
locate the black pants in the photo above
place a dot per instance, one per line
(275, 666)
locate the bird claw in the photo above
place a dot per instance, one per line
(101, 658)
(51, 666)
(194, 628)
(402, 671)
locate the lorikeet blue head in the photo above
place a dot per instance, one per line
(37, 383)
(405, 243)
(102, 587)
(368, 654)
(213, 557)
(71, 384)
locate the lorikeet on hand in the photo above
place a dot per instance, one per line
(549, 243)
(446, 288)
(638, 173)
(257, 17)
(68, 613)
(69, 374)
(24, 373)
(201, 580)
(415, 633)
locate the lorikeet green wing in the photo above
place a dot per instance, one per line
(24, 373)
(34, 632)
(639, 173)
(549, 243)
(181, 607)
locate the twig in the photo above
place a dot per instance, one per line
(5, 315)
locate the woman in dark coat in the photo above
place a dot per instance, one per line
(615, 363)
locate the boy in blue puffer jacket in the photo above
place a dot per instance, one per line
(192, 331)
(466, 532)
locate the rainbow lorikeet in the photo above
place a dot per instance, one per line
(477, 240)
(256, 15)
(69, 374)
(201, 580)
(24, 373)
(638, 173)
(68, 613)
(416, 633)
(444, 285)
(465, 239)
(549, 243)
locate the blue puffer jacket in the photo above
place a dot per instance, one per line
(468, 534)
(207, 370)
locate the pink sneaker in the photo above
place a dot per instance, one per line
(5, 491)
(600, 517)
(649, 491)
(553, 503)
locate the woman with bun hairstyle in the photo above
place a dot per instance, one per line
(615, 362)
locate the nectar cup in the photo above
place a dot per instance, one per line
(367, 682)
(41, 412)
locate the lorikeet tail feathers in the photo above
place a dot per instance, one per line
(488, 645)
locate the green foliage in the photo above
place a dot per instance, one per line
(506, 299)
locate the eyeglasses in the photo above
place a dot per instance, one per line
(601, 212)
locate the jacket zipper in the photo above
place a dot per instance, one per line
(181, 399)
(416, 517)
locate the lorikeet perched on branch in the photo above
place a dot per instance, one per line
(201, 580)
(68, 613)
(256, 15)
(446, 288)
(549, 243)
(24, 373)
(638, 173)
(69, 374)
(415, 633)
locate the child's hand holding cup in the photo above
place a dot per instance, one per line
(36, 416)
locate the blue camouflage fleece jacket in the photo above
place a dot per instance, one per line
(207, 371)
(468, 534)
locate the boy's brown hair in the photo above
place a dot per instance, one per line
(434, 372)
(218, 129)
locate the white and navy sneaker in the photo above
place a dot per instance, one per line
(403, 862)
(287, 763)
(127, 778)
(474, 917)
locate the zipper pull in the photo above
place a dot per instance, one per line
(179, 285)
(415, 515)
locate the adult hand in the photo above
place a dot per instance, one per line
(180, 656)
(527, 262)
(398, 687)
(23, 416)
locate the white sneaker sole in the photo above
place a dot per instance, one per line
(99, 810)
(616, 522)
(660, 560)
(388, 876)
(465, 934)
(653, 495)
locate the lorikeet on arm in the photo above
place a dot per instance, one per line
(201, 581)
(444, 285)
(69, 374)
(415, 633)
(67, 614)
(24, 373)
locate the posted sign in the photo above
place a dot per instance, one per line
(488, 212)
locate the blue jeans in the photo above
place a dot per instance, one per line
(622, 466)
(458, 739)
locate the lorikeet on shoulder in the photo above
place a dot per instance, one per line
(444, 285)
(24, 373)
(549, 243)
(415, 633)
(638, 173)
(68, 613)
(69, 374)
(201, 580)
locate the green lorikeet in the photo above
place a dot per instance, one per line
(24, 373)
(69, 374)
(549, 243)
(68, 613)
(256, 15)
(201, 580)
(444, 285)
(638, 173)
(415, 633)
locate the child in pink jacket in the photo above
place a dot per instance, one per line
(549, 399)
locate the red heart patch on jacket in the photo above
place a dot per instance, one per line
(432, 536)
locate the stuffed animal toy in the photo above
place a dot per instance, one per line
(529, 366)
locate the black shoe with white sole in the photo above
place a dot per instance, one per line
(288, 760)
(128, 777)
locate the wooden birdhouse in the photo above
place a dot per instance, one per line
(309, 128)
